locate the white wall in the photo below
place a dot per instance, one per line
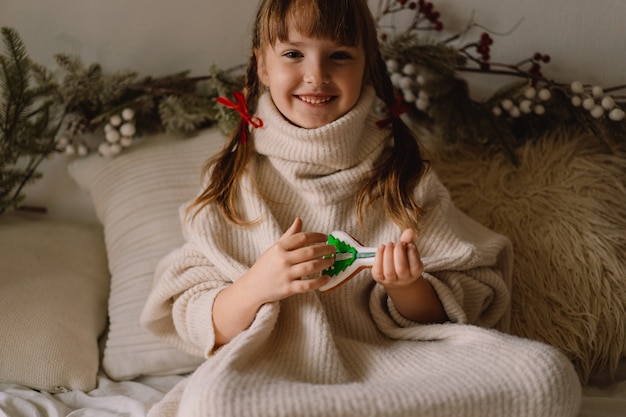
(585, 38)
(155, 37)
(151, 36)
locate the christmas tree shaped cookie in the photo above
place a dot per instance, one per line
(350, 258)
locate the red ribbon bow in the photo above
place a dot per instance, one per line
(242, 109)
(399, 107)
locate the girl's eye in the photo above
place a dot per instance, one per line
(292, 54)
(340, 55)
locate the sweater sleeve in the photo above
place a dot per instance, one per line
(179, 308)
(468, 265)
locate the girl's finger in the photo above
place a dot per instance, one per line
(320, 253)
(408, 236)
(377, 268)
(389, 270)
(415, 261)
(310, 267)
(306, 245)
(295, 227)
(401, 260)
(306, 285)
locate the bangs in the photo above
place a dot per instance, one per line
(339, 20)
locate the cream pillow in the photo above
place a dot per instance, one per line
(564, 208)
(136, 197)
(55, 284)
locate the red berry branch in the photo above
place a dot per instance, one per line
(425, 74)
(425, 17)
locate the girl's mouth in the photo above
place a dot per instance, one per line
(315, 99)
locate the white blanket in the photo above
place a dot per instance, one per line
(134, 398)
(109, 399)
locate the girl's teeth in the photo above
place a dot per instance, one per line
(314, 100)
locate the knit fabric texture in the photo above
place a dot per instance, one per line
(349, 352)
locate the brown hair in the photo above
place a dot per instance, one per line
(351, 23)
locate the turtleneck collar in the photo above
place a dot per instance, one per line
(348, 141)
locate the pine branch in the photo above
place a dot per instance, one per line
(183, 115)
(438, 57)
(27, 135)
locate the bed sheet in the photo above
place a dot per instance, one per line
(134, 399)
(108, 399)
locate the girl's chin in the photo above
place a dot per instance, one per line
(308, 122)
(312, 124)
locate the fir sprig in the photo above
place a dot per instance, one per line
(87, 90)
(27, 122)
(222, 84)
(425, 52)
(184, 114)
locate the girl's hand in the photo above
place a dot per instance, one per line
(278, 273)
(398, 264)
(398, 267)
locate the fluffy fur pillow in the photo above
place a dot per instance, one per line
(136, 196)
(52, 302)
(564, 208)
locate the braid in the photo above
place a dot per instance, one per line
(225, 170)
(401, 167)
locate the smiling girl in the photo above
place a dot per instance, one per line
(407, 337)
(313, 81)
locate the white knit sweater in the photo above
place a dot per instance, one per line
(348, 352)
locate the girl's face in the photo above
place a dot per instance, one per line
(312, 81)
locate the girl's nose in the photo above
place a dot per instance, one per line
(316, 74)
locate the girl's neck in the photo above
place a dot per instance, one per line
(339, 145)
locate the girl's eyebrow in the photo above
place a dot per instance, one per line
(296, 44)
(288, 43)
